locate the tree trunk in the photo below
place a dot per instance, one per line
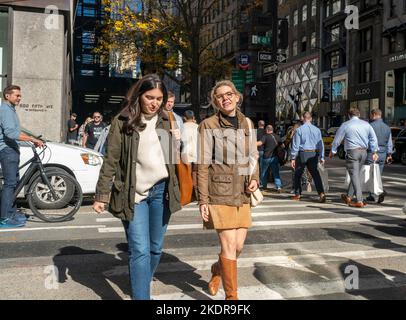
(195, 83)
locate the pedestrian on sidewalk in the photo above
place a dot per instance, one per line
(224, 185)
(93, 131)
(359, 137)
(169, 107)
(10, 132)
(145, 190)
(270, 141)
(260, 134)
(72, 135)
(307, 151)
(384, 136)
(81, 131)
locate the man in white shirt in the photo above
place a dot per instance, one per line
(189, 138)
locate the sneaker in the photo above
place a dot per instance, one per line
(279, 190)
(20, 217)
(10, 224)
(370, 199)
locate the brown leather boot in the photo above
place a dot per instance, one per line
(215, 280)
(229, 277)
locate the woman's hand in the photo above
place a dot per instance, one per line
(204, 211)
(253, 186)
(98, 206)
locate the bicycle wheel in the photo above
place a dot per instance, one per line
(68, 199)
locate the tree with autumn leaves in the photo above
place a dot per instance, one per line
(167, 36)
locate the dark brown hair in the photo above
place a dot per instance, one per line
(9, 90)
(132, 105)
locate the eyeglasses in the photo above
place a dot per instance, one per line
(228, 95)
(97, 117)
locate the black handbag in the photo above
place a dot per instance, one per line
(280, 152)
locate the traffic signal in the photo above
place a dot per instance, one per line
(283, 32)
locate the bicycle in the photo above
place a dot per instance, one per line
(60, 194)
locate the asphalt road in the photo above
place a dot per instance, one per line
(295, 250)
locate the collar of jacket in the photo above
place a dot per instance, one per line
(242, 122)
(162, 115)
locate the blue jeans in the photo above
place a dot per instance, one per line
(9, 160)
(272, 162)
(145, 236)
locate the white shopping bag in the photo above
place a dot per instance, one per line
(324, 176)
(370, 177)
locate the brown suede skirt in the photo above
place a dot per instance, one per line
(228, 217)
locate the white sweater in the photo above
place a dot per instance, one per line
(151, 167)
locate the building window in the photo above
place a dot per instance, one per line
(327, 13)
(304, 44)
(304, 13)
(366, 39)
(393, 44)
(392, 8)
(336, 6)
(335, 60)
(294, 48)
(335, 33)
(314, 8)
(295, 17)
(313, 40)
(366, 71)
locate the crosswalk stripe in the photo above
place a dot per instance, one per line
(292, 290)
(52, 228)
(298, 262)
(300, 205)
(282, 213)
(276, 223)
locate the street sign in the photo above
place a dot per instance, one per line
(250, 76)
(238, 78)
(281, 57)
(266, 41)
(244, 61)
(270, 68)
(264, 56)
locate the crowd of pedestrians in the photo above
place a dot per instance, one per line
(139, 184)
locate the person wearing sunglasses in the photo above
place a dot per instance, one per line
(226, 180)
(93, 131)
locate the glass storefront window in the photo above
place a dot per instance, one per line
(3, 50)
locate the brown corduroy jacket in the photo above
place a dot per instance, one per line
(224, 160)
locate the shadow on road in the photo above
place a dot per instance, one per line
(89, 268)
(183, 276)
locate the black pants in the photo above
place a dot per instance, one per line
(309, 160)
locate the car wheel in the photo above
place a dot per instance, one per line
(42, 196)
(341, 152)
(403, 157)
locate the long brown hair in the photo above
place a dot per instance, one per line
(132, 106)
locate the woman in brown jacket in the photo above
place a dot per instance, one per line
(225, 181)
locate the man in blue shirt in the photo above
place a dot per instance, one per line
(307, 150)
(384, 136)
(10, 132)
(359, 137)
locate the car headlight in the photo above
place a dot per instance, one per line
(91, 159)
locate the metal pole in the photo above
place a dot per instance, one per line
(331, 95)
